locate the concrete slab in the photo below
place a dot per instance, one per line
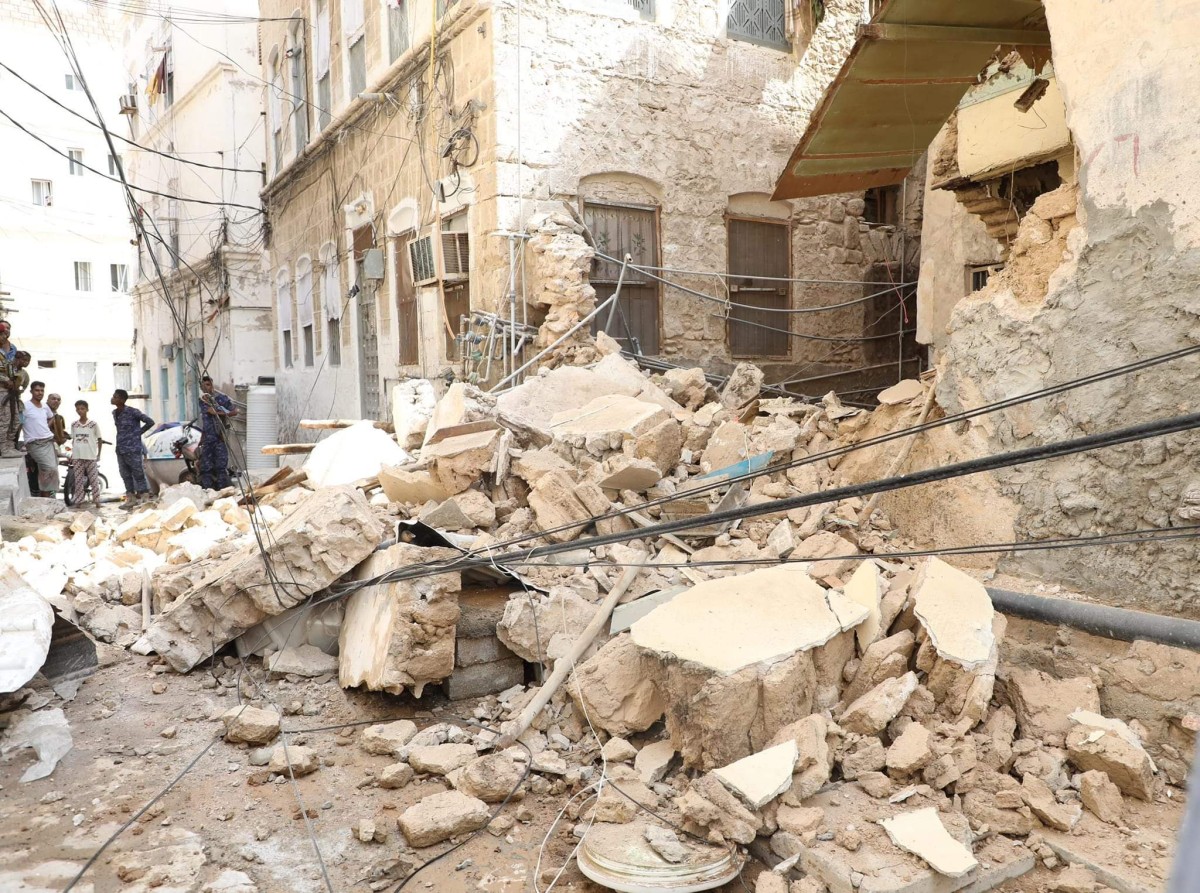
(625, 616)
(922, 833)
(604, 416)
(14, 484)
(865, 587)
(956, 611)
(760, 778)
(901, 392)
(735, 622)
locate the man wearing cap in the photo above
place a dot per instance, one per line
(13, 381)
(214, 452)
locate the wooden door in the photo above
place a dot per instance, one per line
(619, 230)
(406, 302)
(759, 249)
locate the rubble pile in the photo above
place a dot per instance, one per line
(754, 686)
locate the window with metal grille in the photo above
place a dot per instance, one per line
(75, 162)
(397, 28)
(83, 275)
(645, 7)
(358, 66)
(759, 254)
(42, 193)
(123, 376)
(456, 255)
(882, 206)
(85, 374)
(321, 65)
(118, 275)
(420, 256)
(333, 342)
(758, 21)
(299, 89)
(978, 275)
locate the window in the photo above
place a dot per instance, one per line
(86, 375)
(275, 111)
(758, 21)
(146, 381)
(331, 288)
(321, 66)
(759, 254)
(397, 28)
(47, 364)
(882, 206)
(283, 306)
(443, 5)
(41, 193)
(164, 380)
(354, 37)
(978, 275)
(114, 165)
(76, 162)
(123, 376)
(645, 7)
(73, 83)
(119, 277)
(304, 305)
(299, 89)
(406, 300)
(456, 247)
(83, 275)
(621, 230)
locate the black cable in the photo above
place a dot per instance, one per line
(180, 198)
(82, 117)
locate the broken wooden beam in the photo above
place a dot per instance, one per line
(287, 449)
(332, 424)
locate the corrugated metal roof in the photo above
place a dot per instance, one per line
(905, 75)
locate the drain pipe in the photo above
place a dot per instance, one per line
(1100, 620)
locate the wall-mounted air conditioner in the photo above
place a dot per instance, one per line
(456, 256)
(129, 104)
(422, 261)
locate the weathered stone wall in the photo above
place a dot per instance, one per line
(1120, 285)
(671, 113)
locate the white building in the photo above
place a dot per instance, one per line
(194, 107)
(65, 252)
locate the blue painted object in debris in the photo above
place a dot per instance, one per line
(746, 466)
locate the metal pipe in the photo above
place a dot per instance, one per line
(565, 335)
(792, 381)
(612, 311)
(1100, 620)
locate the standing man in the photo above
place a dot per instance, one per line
(131, 424)
(214, 452)
(58, 425)
(39, 440)
(13, 381)
(8, 350)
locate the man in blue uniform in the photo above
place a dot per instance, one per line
(216, 409)
(131, 424)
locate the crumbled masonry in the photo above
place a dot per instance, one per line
(860, 718)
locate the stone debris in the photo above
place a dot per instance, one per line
(922, 833)
(1101, 797)
(439, 817)
(956, 612)
(760, 778)
(250, 725)
(1110, 746)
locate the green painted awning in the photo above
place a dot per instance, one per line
(908, 69)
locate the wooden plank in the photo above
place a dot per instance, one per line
(287, 449)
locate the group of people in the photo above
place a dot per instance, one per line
(44, 431)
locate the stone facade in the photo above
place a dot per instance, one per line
(516, 115)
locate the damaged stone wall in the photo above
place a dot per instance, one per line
(674, 115)
(1089, 287)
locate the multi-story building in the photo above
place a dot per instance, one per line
(65, 252)
(200, 295)
(414, 146)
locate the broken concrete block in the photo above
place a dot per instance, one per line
(395, 776)
(736, 658)
(1101, 797)
(760, 778)
(1043, 704)
(956, 611)
(865, 755)
(662, 445)
(293, 760)
(865, 587)
(440, 759)
(901, 392)
(367, 831)
(687, 387)
(618, 750)
(1074, 879)
(460, 461)
(803, 821)
(532, 464)
(653, 761)
(137, 522)
(176, 515)
(709, 810)
(603, 424)
(1109, 745)
(250, 725)
(770, 882)
(413, 403)
(983, 808)
(326, 535)
(818, 548)
(782, 540)
(885, 659)
(491, 778)
(555, 503)
(484, 679)
(814, 760)
(466, 511)
(398, 635)
(415, 486)
(1040, 799)
(449, 411)
(922, 833)
(727, 446)
(441, 816)
(540, 628)
(387, 738)
(910, 752)
(303, 660)
(744, 384)
(871, 713)
(666, 843)
(616, 687)
(628, 473)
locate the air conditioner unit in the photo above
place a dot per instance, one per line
(422, 261)
(456, 256)
(129, 104)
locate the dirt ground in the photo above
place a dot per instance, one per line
(135, 727)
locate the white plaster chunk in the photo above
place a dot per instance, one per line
(901, 392)
(734, 622)
(956, 611)
(351, 454)
(865, 588)
(922, 833)
(760, 778)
